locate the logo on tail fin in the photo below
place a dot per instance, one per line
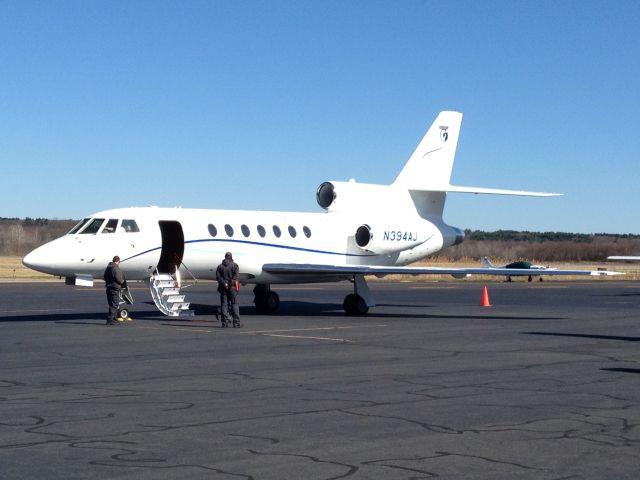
(444, 134)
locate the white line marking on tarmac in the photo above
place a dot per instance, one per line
(307, 329)
(307, 338)
(194, 330)
(274, 333)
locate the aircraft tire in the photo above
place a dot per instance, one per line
(268, 302)
(123, 313)
(354, 305)
(272, 301)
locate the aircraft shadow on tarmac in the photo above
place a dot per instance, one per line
(314, 309)
(622, 370)
(584, 335)
(597, 337)
(287, 309)
(624, 294)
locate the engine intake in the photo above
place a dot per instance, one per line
(363, 235)
(388, 240)
(326, 194)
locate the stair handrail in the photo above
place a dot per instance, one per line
(195, 280)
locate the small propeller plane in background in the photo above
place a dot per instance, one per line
(520, 265)
(366, 229)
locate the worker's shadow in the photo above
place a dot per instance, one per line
(56, 317)
(79, 318)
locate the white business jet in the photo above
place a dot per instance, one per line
(367, 229)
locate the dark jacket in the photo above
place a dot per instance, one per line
(226, 274)
(113, 277)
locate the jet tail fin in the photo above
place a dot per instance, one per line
(429, 167)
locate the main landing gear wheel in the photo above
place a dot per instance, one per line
(123, 313)
(354, 305)
(267, 302)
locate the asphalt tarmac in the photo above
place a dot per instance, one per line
(545, 384)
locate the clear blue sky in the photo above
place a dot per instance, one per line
(252, 104)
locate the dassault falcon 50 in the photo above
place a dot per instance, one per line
(366, 229)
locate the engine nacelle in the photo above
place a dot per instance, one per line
(460, 276)
(347, 196)
(384, 241)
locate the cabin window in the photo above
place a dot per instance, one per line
(276, 231)
(229, 229)
(111, 225)
(307, 231)
(213, 231)
(261, 231)
(292, 231)
(78, 226)
(245, 230)
(93, 226)
(130, 226)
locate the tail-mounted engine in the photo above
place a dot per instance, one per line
(389, 221)
(385, 240)
(326, 194)
(346, 196)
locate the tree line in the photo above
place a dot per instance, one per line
(19, 236)
(541, 247)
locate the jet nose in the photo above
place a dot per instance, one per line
(37, 260)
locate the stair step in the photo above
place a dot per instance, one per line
(165, 292)
(179, 306)
(170, 291)
(175, 299)
(163, 276)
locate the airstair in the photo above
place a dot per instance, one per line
(165, 291)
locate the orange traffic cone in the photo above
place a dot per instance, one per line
(485, 298)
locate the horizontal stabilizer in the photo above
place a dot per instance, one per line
(492, 191)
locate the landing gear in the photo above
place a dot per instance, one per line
(265, 300)
(354, 305)
(358, 302)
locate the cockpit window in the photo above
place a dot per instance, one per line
(111, 225)
(78, 226)
(130, 226)
(93, 226)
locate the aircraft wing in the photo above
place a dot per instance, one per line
(346, 270)
(624, 258)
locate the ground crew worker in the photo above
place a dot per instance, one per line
(228, 286)
(114, 281)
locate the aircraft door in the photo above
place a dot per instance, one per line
(172, 246)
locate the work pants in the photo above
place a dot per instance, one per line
(113, 297)
(230, 310)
